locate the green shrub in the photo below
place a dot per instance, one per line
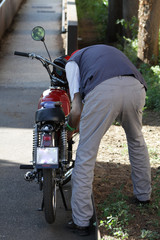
(96, 11)
(152, 77)
(151, 74)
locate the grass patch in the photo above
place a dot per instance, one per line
(120, 218)
(115, 214)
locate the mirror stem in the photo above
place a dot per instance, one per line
(47, 51)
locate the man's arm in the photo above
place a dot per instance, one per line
(75, 113)
(73, 78)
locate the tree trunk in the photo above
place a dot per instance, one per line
(130, 10)
(114, 13)
(148, 34)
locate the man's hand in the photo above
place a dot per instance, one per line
(69, 135)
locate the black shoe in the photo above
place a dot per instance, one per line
(142, 202)
(82, 231)
(138, 202)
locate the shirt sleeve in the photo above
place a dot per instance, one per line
(73, 77)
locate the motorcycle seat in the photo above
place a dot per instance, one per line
(50, 114)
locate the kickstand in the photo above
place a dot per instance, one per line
(42, 205)
(63, 198)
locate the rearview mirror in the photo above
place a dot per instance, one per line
(38, 33)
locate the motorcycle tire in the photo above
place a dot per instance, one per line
(49, 195)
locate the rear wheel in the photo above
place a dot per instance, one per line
(49, 195)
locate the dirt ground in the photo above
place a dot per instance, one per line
(113, 170)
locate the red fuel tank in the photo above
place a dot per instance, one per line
(56, 95)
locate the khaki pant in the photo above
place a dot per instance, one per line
(122, 98)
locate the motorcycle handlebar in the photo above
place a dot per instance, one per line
(21, 54)
(33, 55)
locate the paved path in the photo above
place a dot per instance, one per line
(21, 83)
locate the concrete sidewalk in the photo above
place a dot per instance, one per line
(21, 83)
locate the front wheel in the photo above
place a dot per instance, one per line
(49, 195)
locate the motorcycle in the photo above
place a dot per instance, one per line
(52, 162)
